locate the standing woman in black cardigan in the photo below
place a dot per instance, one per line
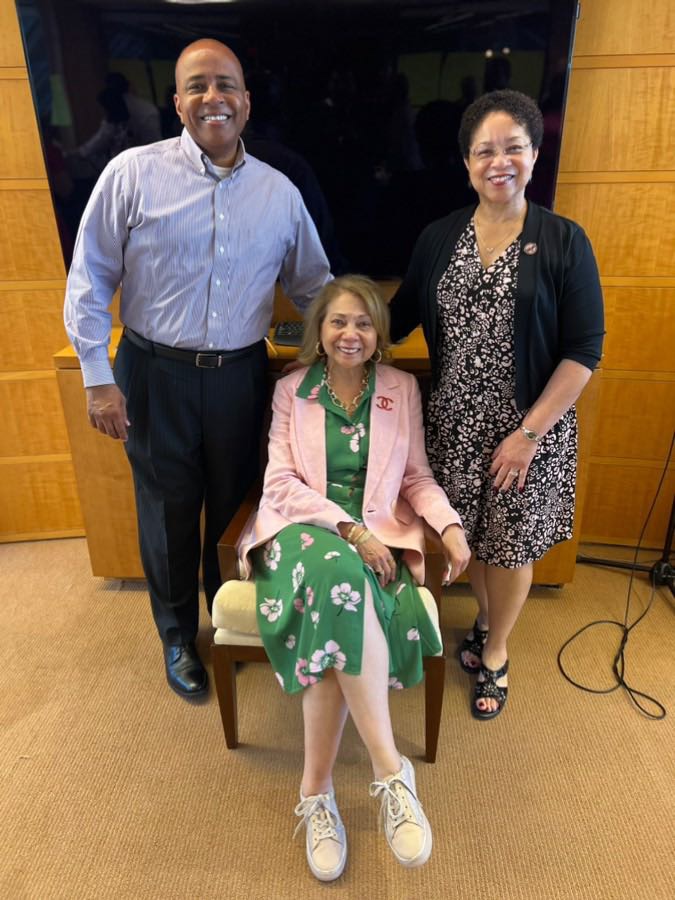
(509, 298)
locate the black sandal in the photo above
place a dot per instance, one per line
(472, 645)
(489, 689)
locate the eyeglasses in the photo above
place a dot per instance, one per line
(483, 154)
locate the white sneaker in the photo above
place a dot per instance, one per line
(406, 827)
(326, 841)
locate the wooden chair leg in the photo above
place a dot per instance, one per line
(225, 678)
(434, 684)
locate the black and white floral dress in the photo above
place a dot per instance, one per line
(473, 407)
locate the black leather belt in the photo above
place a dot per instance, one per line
(202, 359)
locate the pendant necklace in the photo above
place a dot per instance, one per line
(509, 237)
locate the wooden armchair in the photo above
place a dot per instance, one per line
(237, 639)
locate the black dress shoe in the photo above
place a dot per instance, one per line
(184, 670)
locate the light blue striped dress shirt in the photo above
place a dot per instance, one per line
(197, 256)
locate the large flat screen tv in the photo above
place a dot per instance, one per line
(357, 101)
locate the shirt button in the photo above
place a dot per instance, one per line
(214, 315)
(202, 170)
(221, 216)
(210, 346)
(218, 282)
(222, 249)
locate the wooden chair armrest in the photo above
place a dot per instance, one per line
(227, 545)
(434, 562)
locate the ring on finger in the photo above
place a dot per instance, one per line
(514, 473)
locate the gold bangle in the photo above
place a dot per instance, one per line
(363, 537)
(350, 533)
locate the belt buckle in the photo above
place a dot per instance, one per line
(208, 360)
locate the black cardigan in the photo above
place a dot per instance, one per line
(558, 310)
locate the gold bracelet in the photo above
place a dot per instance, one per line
(350, 533)
(363, 537)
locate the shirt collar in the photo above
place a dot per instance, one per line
(200, 160)
(308, 388)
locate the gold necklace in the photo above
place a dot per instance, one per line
(509, 237)
(355, 401)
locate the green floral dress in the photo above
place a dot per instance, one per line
(310, 582)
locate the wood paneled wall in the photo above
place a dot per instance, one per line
(38, 496)
(617, 179)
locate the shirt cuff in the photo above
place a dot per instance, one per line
(457, 521)
(97, 372)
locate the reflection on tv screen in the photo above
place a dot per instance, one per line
(357, 102)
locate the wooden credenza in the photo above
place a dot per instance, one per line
(105, 485)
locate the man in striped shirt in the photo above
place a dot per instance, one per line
(197, 233)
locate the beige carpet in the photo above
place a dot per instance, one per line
(113, 787)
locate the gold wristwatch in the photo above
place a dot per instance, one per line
(531, 435)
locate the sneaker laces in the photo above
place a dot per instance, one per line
(395, 806)
(315, 812)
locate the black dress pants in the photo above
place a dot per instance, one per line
(193, 442)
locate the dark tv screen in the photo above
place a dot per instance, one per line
(358, 101)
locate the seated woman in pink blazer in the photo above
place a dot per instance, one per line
(337, 549)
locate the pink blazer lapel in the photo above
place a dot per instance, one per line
(309, 434)
(385, 412)
(309, 442)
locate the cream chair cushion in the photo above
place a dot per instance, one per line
(234, 613)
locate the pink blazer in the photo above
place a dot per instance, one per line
(399, 489)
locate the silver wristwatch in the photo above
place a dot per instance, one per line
(531, 435)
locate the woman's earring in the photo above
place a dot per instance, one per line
(377, 356)
(319, 349)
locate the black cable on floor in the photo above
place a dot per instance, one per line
(619, 663)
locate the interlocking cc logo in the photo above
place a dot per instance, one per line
(385, 403)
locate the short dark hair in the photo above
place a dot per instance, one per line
(520, 107)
